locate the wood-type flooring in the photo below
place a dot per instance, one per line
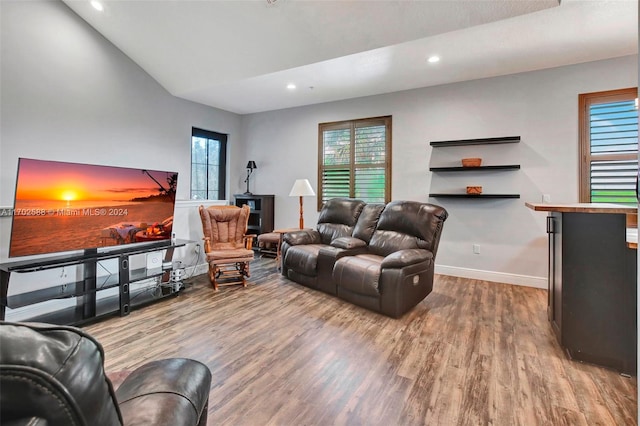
(472, 353)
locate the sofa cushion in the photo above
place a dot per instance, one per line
(333, 231)
(238, 253)
(338, 218)
(367, 222)
(359, 274)
(408, 225)
(303, 259)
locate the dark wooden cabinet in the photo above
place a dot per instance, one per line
(592, 288)
(261, 217)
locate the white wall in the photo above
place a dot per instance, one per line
(540, 106)
(68, 94)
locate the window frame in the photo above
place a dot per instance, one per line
(352, 124)
(222, 138)
(585, 101)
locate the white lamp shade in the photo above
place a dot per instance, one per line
(301, 188)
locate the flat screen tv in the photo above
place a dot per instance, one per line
(62, 207)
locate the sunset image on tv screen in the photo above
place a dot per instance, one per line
(67, 206)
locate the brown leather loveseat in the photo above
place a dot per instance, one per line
(377, 256)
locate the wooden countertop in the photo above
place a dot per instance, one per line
(582, 208)
(632, 233)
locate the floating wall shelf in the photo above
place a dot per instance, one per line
(474, 195)
(484, 141)
(474, 169)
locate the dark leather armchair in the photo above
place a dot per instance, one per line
(397, 270)
(301, 249)
(54, 375)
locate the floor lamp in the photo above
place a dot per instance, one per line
(301, 188)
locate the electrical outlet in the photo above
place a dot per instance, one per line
(197, 249)
(546, 198)
(476, 249)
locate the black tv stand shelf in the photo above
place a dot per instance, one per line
(89, 307)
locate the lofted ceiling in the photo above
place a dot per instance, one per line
(239, 55)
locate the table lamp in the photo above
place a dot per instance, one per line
(301, 188)
(250, 166)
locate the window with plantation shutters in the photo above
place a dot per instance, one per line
(355, 160)
(609, 146)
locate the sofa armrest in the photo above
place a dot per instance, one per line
(168, 392)
(348, 243)
(402, 258)
(304, 236)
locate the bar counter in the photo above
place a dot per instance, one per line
(583, 208)
(592, 278)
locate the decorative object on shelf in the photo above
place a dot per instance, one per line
(301, 188)
(471, 162)
(474, 190)
(251, 165)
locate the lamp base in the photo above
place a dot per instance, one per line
(248, 193)
(301, 214)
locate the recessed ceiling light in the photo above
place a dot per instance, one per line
(291, 86)
(97, 5)
(433, 59)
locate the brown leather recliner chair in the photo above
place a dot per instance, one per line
(301, 249)
(396, 271)
(54, 375)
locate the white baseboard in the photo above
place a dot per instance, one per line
(476, 274)
(499, 277)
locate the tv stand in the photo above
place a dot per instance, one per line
(90, 290)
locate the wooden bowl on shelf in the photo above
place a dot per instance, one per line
(471, 162)
(474, 190)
